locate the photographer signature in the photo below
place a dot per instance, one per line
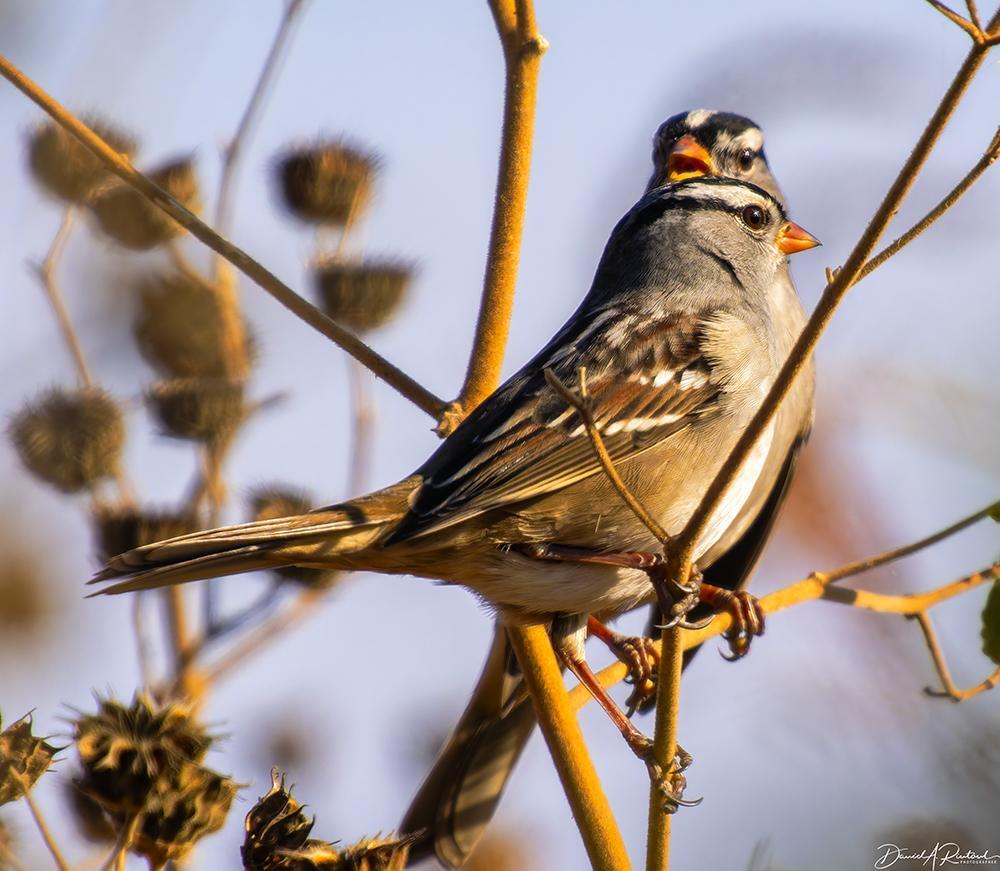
(939, 856)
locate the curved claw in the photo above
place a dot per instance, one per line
(697, 624)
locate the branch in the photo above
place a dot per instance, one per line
(121, 167)
(523, 47)
(940, 663)
(978, 37)
(601, 837)
(43, 829)
(832, 296)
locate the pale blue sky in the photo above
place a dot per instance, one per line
(821, 739)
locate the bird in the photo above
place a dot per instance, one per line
(675, 347)
(458, 797)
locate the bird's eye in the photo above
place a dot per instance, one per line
(754, 217)
(745, 159)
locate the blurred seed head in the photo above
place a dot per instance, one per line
(24, 758)
(131, 220)
(362, 295)
(180, 813)
(208, 410)
(91, 821)
(499, 851)
(178, 327)
(274, 826)
(25, 603)
(70, 439)
(128, 752)
(327, 183)
(67, 169)
(120, 528)
(279, 500)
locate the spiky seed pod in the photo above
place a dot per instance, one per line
(130, 219)
(67, 169)
(371, 854)
(122, 528)
(70, 438)
(178, 327)
(269, 502)
(180, 813)
(203, 409)
(327, 183)
(274, 826)
(23, 759)
(127, 751)
(362, 295)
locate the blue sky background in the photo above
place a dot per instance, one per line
(812, 748)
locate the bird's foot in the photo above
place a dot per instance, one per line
(639, 655)
(669, 784)
(676, 599)
(747, 614)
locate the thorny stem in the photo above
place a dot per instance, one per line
(523, 47)
(306, 311)
(43, 829)
(951, 691)
(601, 837)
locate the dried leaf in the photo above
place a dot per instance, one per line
(991, 623)
(23, 759)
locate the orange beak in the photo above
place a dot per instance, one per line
(792, 239)
(688, 160)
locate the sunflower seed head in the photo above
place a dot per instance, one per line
(327, 183)
(131, 220)
(363, 295)
(66, 168)
(121, 528)
(208, 410)
(24, 758)
(128, 752)
(70, 438)
(274, 825)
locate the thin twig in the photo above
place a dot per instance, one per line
(362, 428)
(975, 32)
(601, 836)
(974, 14)
(523, 47)
(989, 157)
(950, 691)
(186, 680)
(117, 858)
(582, 406)
(50, 843)
(143, 653)
(306, 311)
(46, 275)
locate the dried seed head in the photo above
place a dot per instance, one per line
(178, 327)
(23, 759)
(121, 528)
(203, 409)
(128, 752)
(70, 438)
(361, 296)
(180, 813)
(92, 822)
(370, 854)
(269, 502)
(25, 600)
(328, 183)
(68, 169)
(132, 220)
(274, 825)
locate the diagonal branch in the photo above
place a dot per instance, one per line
(523, 47)
(950, 691)
(306, 311)
(969, 27)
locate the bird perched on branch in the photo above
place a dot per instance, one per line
(676, 346)
(458, 797)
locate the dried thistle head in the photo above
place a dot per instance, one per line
(25, 601)
(24, 758)
(91, 821)
(120, 528)
(278, 500)
(327, 183)
(178, 327)
(179, 813)
(274, 826)
(131, 220)
(66, 168)
(208, 410)
(362, 295)
(70, 439)
(127, 752)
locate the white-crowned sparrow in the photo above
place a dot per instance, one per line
(460, 794)
(678, 347)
